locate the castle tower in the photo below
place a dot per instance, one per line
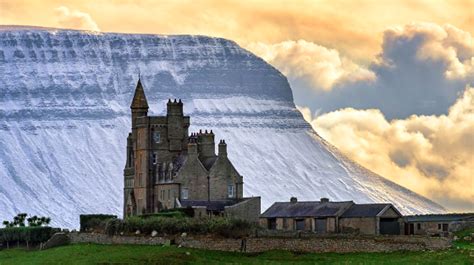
(176, 134)
(139, 104)
(132, 176)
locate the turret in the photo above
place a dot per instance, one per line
(176, 129)
(174, 108)
(139, 104)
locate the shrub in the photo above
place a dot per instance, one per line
(174, 213)
(163, 225)
(26, 234)
(94, 221)
(19, 221)
(114, 227)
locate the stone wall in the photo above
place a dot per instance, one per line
(108, 240)
(363, 225)
(341, 245)
(248, 209)
(305, 242)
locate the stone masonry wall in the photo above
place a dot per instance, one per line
(260, 244)
(249, 209)
(108, 240)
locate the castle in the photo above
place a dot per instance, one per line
(168, 168)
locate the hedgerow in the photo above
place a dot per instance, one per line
(94, 222)
(168, 226)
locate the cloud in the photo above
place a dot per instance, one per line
(352, 27)
(446, 44)
(320, 67)
(75, 19)
(431, 155)
(421, 70)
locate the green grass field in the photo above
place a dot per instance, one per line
(133, 254)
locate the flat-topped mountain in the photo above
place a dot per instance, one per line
(64, 120)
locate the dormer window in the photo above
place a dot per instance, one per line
(156, 137)
(230, 191)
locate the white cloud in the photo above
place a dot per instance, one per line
(75, 19)
(431, 155)
(318, 66)
(421, 69)
(447, 44)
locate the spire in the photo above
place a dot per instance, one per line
(139, 99)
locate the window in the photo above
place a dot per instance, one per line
(156, 137)
(418, 226)
(184, 193)
(320, 225)
(154, 158)
(230, 191)
(299, 224)
(285, 223)
(439, 226)
(445, 227)
(169, 194)
(272, 224)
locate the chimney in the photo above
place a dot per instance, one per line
(206, 145)
(324, 200)
(192, 147)
(293, 199)
(222, 149)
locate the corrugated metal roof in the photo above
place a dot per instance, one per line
(365, 210)
(306, 209)
(439, 217)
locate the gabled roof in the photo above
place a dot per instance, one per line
(367, 210)
(306, 209)
(439, 217)
(208, 162)
(139, 99)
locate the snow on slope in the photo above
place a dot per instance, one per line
(64, 118)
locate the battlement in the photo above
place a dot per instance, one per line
(174, 108)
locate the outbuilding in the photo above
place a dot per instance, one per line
(437, 224)
(371, 219)
(326, 216)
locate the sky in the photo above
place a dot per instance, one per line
(390, 83)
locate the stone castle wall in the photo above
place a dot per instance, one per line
(339, 244)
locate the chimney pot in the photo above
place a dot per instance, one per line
(324, 200)
(293, 199)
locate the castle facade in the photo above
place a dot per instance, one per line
(169, 168)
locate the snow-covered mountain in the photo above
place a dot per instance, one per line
(64, 118)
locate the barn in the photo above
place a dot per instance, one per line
(327, 217)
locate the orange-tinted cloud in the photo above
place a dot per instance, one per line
(354, 28)
(75, 19)
(431, 155)
(320, 67)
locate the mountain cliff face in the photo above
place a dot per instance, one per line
(64, 119)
